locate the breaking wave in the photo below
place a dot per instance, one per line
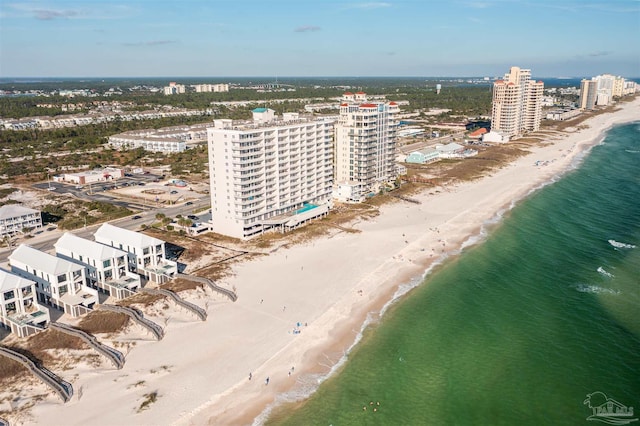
(594, 289)
(605, 273)
(618, 244)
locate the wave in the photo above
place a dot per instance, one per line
(618, 244)
(594, 289)
(632, 151)
(605, 273)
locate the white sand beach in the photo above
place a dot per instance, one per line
(324, 289)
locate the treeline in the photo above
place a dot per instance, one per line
(470, 101)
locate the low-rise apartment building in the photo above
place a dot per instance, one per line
(59, 283)
(14, 218)
(148, 253)
(19, 308)
(106, 267)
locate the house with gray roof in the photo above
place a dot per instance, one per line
(148, 253)
(19, 308)
(59, 283)
(106, 267)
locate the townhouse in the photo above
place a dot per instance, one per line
(19, 308)
(58, 282)
(147, 254)
(106, 267)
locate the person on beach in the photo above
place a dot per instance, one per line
(250, 376)
(266, 382)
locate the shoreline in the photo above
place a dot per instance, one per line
(255, 416)
(333, 284)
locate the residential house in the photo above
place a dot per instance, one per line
(106, 267)
(59, 283)
(19, 308)
(148, 253)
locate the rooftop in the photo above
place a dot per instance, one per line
(90, 249)
(109, 232)
(13, 210)
(44, 262)
(9, 281)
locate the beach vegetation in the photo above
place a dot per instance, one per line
(149, 398)
(103, 322)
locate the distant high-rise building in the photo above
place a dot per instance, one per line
(173, 88)
(365, 143)
(199, 88)
(517, 103)
(269, 173)
(601, 90)
(588, 94)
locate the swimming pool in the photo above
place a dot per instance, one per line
(305, 208)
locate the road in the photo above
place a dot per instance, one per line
(45, 240)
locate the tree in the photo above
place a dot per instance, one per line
(185, 222)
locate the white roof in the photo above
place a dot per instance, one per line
(450, 147)
(90, 249)
(42, 261)
(9, 281)
(14, 210)
(108, 232)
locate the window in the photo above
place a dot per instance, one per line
(145, 251)
(106, 263)
(9, 295)
(62, 278)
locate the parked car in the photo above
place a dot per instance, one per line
(136, 217)
(188, 203)
(193, 217)
(173, 192)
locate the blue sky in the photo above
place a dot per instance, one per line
(134, 38)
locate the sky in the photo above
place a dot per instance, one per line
(246, 38)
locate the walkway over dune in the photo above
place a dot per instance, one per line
(201, 313)
(112, 354)
(225, 292)
(61, 387)
(154, 328)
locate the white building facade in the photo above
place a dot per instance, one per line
(106, 267)
(366, 135)
(15, 218)
(59, 283)
(271, 173)
(19, 308)
(148, 256)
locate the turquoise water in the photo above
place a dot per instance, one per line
(519, 329)
(306, 207)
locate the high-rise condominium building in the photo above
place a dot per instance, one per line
(269, 173)
(365, 144)
(517, 103)
(588, 94)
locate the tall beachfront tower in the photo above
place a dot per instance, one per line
(588, 94)
(517, 103)
(269, 173)
(365, 145)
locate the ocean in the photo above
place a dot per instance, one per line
(518, 329)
